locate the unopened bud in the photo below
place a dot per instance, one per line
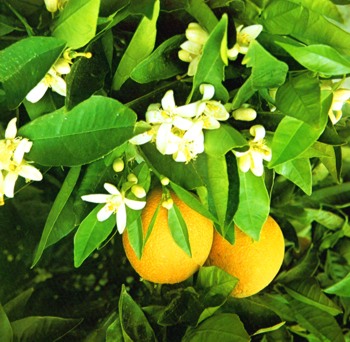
(118, 165)
(164, 180)
(244, 114)
(168, 204)
(138, 191)
(132, 178)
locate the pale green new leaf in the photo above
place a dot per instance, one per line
(77, 22)
(254, 204)
(23, 65)
(140, 46)
(324, 7)
(90, 235)
(299, 172)
(341, 288)
(178, 229)
(5, 326)
(88, 132)
(56, 210)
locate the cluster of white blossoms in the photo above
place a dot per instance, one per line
(341, 95)
(116, 201)
(192, 49)
(12, 163)
(178, 131)
(258, 151)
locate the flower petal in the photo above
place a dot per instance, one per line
(258, 132)
(104, 213)
(58, 85)
(207, 90)
(62, 66)
(135, 205)
(96, 198)
(23, 147)
(121, 218)
(168, 101)
(11, 129)
(190, 110)
(112, 189)
(37, 92)
(9, 184)
(30, 172)
(192, 47)
(142, 138)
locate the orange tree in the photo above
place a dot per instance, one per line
(235, 108)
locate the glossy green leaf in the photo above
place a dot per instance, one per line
(114, 332)
(225, 327)
(41, 329)
(15, 307)
(327, 218)
(215, 281)
(56, 210)
(320, 323)
(191, 201)
(160, 64)
(90, 235)
(140, 46)
(211, 65)
(23, 65)
(77, 22)
(335, 195)
(178, 229)
(5, 326)
(254, 204)
(135, 236)
(297, 171)
(341, 288)
(324, 7)
(86, 133)
(309, 292)
(222, 140)
(133, 321)
(291, 139)
(300, 98)
(319, 58)
(285, 17)
(202, 13)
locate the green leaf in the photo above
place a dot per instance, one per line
(215, 281)
(328, 219)
(23, 65)
(224, 327)
(319, 58)
(222, 140)
(56, 210)
(90, 234)
(135, 236)
(42, 329)
(299, 172)
(309, 292)
(86, 133)
(114, 332)
(133, 321)
(300, 98)
(291, 139)
(285, 17)
(254, 204)
(202, 13)
(160, 64)
(212, 63)
(178, 229)
(15, 307)
(340, 288)
(140, 46)
(323, 7)
(77, 22)
(192, 201)
(318, 322)
(5, 326)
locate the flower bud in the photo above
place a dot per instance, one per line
(164, 180)
(118, 165)
(138, 191)
(132, 178)
(244, 114)
(168, 204)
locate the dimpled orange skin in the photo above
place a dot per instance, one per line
(163, 261)
(254, 263)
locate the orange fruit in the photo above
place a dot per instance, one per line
(162, 260)
(254, 263)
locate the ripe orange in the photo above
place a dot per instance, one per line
(254, 263)
(163, 261)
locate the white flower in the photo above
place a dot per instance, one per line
(2, 193)
(257, 153)
(191, 50)
(116, 203)
(12, 163)
(52, 80)
(243, 40)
